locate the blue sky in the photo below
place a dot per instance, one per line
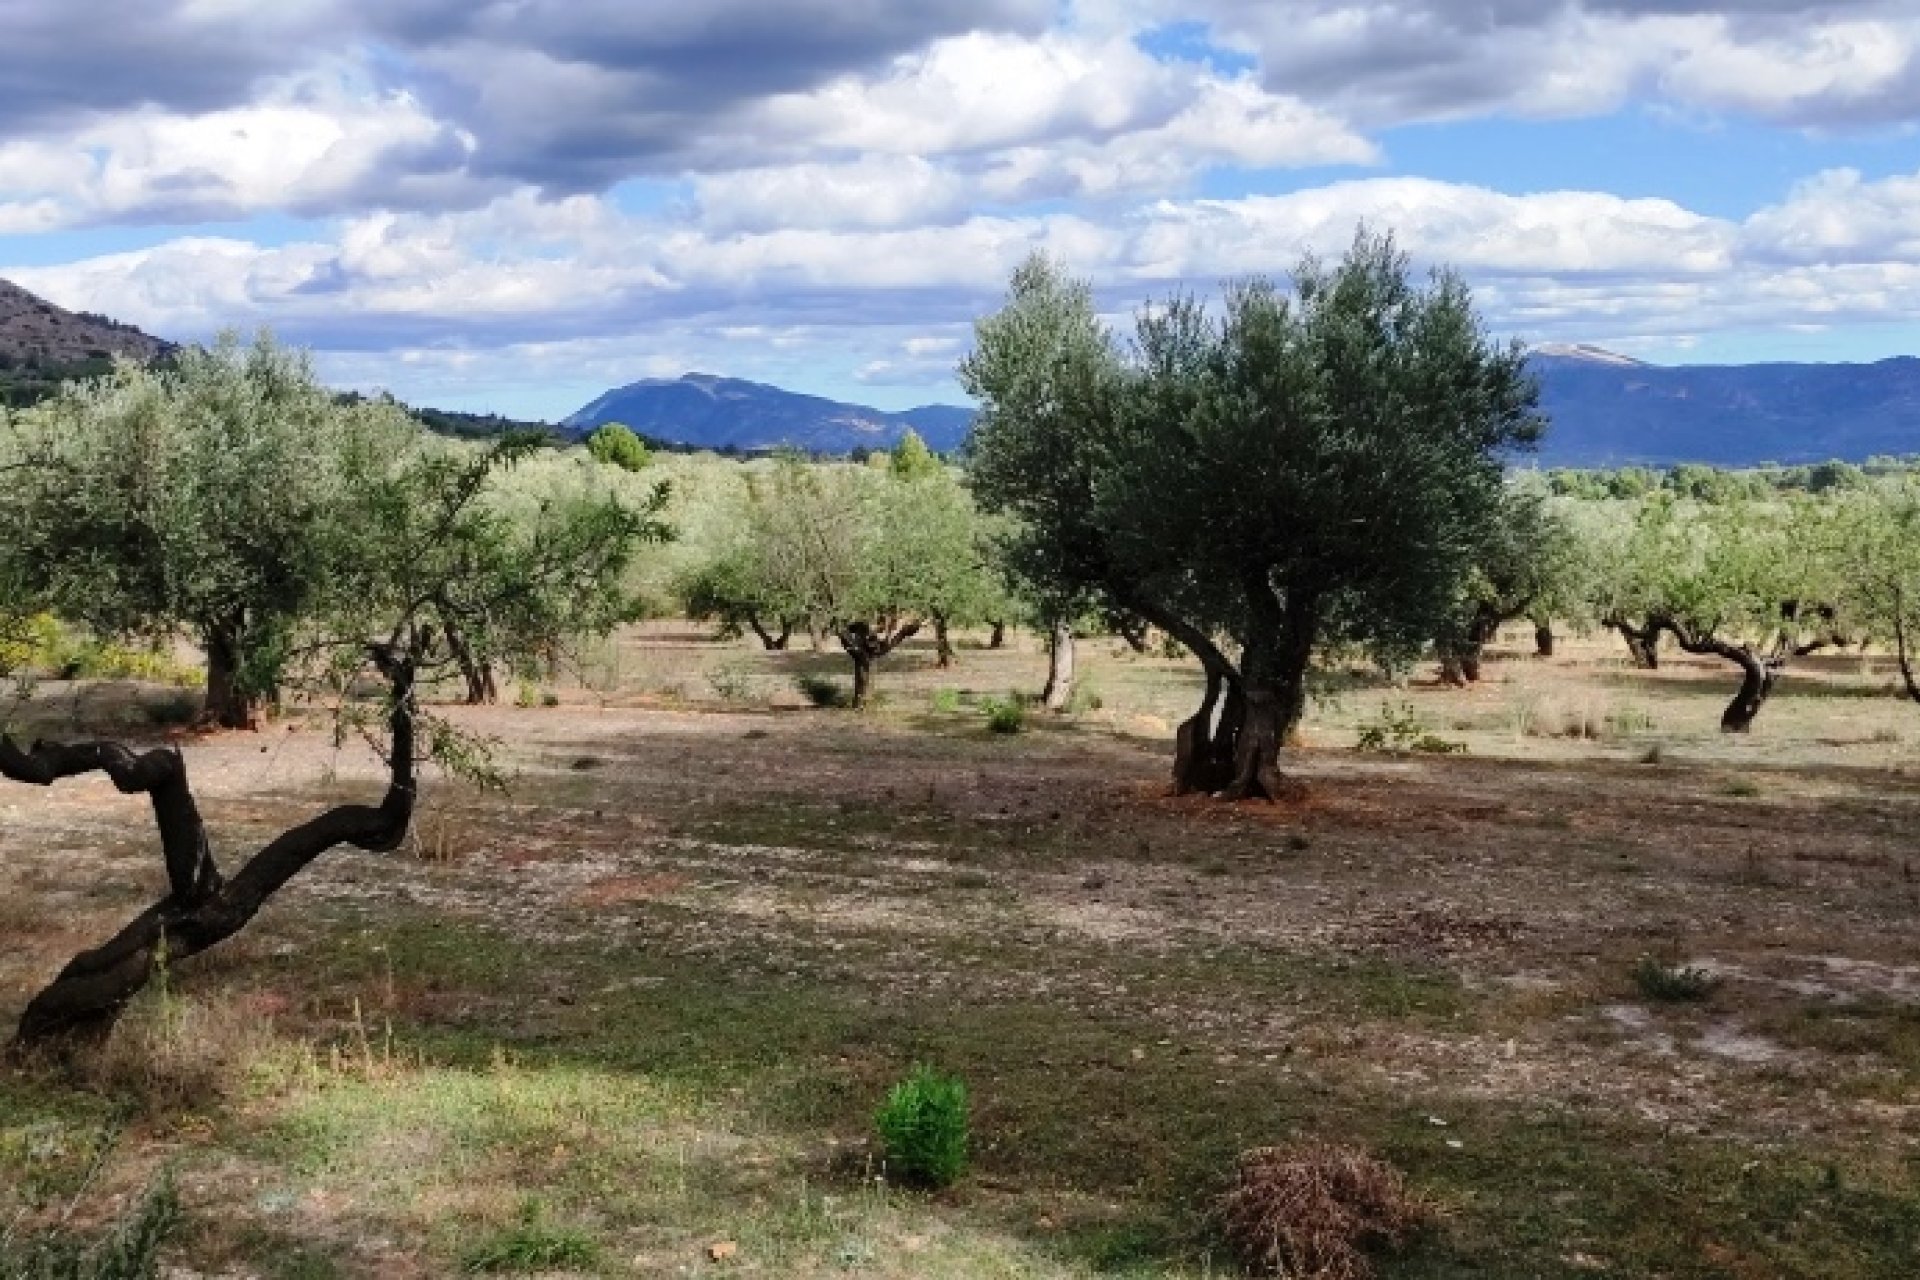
(514, 204)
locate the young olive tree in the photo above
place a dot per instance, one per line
(402, 576)
(1756, 584)
(199, 499)
(1048, 377)
(1308, 469)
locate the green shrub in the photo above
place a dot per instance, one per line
(923, 1128)
(1672, 983)
(1400, 731)
(821, 691)
(129, 1251)
(1005, 715)
(946, 701)
(616, 445)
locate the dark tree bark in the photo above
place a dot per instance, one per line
(1135, 632)
(1273, 673)
(1460, 656)
(229, 704)
(1757, 673)
(1643, 643)
(866, 644)
(774, 641)
(1902, 650)
(998, 638)
(942, 643)
(1543, 638)
(201, 909)
(478, 675)
(1204, 747)
(1060, 667)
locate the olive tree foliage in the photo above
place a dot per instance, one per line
(1754, 583)
(860, 552)
(1307, 468)
(1526, 566)
(1878, 532)
(421, 563)
(534, 560)
(199, 499)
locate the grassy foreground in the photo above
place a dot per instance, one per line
(633, 1018)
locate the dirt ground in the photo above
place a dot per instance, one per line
(643, 1004)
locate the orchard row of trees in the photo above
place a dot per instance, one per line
(1299, 475)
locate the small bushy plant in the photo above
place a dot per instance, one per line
(1673, 983)
(923, 1128)
(1400, 731)
(820, 691)
(1005, 715)
(946, 701)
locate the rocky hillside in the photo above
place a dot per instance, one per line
(36, 334)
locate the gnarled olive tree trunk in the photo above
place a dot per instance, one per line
(1758, 672)
(230, 704)
(998, 638)
(482, 690)
(770, 640)
(1543, 637)
(866, 644)
(1643, 642)
(202, 908)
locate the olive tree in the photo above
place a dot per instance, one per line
(197, 499)
(1311, 467)
(1756, 584)
(402, 579)
(1524, 567)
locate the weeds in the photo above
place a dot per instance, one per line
(1005, 715)
(1673, 984)
(1401, 731)
(532, 1244)
(820, 691)
(130, 1250)
(1311, 1211)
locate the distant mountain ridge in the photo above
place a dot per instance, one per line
(712, 412)
(1606, 410)
(1610, 410)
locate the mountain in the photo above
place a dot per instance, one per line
(711, 412)
(1608, 410)
(42, 345)
(35, 333)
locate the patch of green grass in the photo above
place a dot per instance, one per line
(532, 1244)
(923, 1128)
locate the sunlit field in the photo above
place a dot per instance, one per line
(633, 1017)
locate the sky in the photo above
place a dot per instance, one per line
(512, 205)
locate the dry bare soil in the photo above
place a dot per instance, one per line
(632, 1018)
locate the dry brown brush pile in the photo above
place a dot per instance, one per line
(1309, 1211)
